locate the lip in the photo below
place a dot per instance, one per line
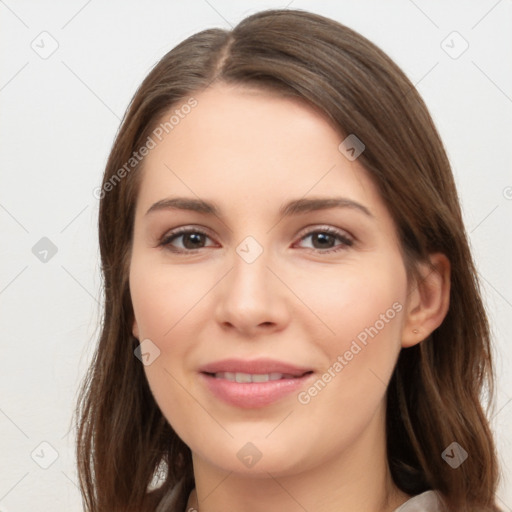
(252, 395)
(254, 366)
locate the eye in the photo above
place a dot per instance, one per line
(192, 239)
(324, 238)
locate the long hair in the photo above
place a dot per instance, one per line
(438, 388)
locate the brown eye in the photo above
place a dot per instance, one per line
(191, 239)
(324, 240)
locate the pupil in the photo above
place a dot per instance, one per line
(194, 237)
(323, 237)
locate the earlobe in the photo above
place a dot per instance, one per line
(428, 301)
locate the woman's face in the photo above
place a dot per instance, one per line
(307, 303)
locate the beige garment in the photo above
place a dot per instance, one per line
(169, 501)
(424, 502)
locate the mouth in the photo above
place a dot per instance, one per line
(253, 384)
(261, 366)
(241, 377)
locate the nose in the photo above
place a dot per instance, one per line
(251, 299)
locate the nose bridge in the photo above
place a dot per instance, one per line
(250, 275)
(250, 249)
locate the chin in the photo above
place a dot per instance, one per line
(257, 458)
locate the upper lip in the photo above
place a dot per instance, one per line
(254, 366)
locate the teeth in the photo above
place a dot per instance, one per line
(243, 377)
(260, 378)
(249, 377)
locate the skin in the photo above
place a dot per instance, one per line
(249, 152)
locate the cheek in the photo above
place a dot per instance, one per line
(166, 302)
(355, 302)
(365, 311)
(163, 298)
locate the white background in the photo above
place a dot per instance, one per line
(59, 118)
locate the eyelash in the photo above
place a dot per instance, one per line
(170, 237)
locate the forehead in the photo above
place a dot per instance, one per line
(238, 144)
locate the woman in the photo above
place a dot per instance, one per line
(292, 317)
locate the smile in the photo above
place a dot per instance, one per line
(246, 390)
(248, 377)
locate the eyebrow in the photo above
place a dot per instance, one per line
(294, 207)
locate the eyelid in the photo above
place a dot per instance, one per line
(347, 240)
(182, 230)
(325, 228)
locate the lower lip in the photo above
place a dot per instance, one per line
(250, 395)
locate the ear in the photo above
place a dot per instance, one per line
(428, 300)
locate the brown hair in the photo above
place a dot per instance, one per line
(434, 396)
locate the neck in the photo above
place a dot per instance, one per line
(357, 479)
